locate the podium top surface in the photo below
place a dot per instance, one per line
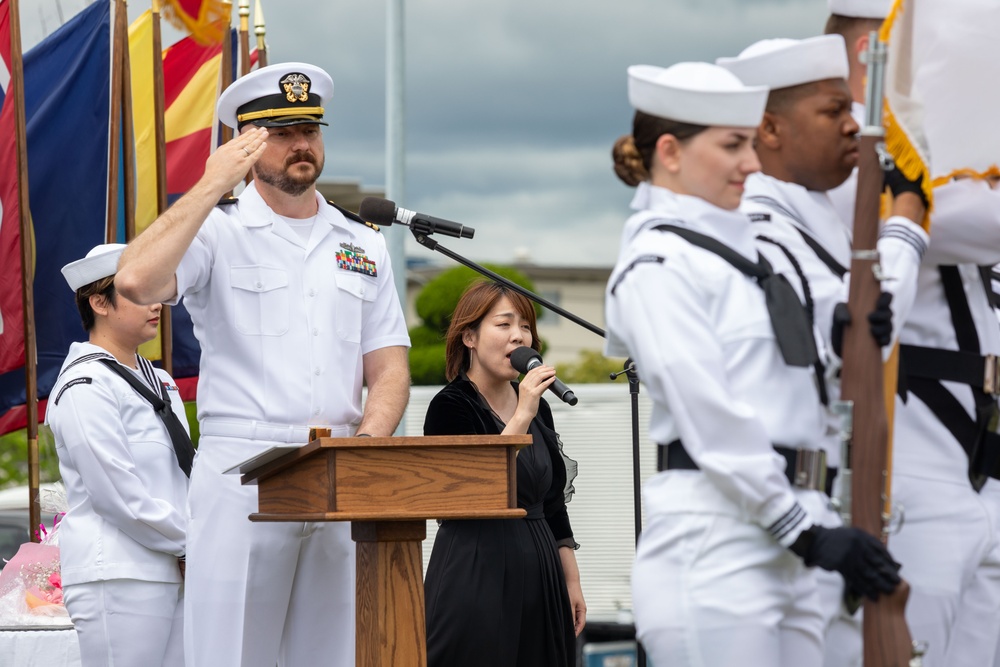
(282, 456)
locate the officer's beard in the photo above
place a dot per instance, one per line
(291, 183)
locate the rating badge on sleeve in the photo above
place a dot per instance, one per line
(353, 258)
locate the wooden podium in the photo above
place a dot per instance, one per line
(388, 488)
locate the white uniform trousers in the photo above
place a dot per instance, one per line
(711, 590)
(947, 545)
(127, 622)
(842, 632)
(979, 609)
(261, 594)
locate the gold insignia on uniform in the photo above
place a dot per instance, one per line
(296, 87)
(350, 247)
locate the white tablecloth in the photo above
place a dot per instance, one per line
(44, 646)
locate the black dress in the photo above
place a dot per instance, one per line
(495, 591)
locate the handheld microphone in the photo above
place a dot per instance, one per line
(385, 212)
(523, 359)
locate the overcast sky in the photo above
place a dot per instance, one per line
(512, 106)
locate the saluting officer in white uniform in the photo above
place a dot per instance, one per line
(293, 303)
(854, 20)
(721, 574)
(122, 542)
(807, 143)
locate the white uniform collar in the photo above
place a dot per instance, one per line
(810, 210)
(254, 212)
(656, 204)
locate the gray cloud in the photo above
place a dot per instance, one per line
(512, 106)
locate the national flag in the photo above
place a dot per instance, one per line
(67, 93)
(11, 306)
(940, 89)
(201, 18)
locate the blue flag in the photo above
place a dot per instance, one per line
(67, 83)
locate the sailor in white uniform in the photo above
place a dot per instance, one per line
(124, 455)
(722, 570)
(854, 20)
(807, 144)
(293, 302)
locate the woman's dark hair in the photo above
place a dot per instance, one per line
(105, 287)
(633, 153)
(476, 302)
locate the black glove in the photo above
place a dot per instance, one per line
(879, 323)
(861, 559)
(898, 183)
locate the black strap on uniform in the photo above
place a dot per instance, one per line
(924, 369)
(819, 367)
(824, 255)
(183, 448)
(793, 330)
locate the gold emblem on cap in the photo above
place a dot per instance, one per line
(296, 87)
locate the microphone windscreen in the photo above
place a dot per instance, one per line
(378, 210)
(520, 357)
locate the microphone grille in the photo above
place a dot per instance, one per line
(378, 210)
(520, 358)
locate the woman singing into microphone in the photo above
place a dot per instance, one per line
(503, 593)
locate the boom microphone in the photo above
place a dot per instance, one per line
(385, 212)
(523, 359)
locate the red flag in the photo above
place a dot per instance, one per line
(11, 305)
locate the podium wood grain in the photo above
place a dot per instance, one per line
(388, 488)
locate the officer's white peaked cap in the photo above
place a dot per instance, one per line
(277, 96)
(861, 9)
(100, 262)
(781, 63)
(698, 93)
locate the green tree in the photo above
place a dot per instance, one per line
(14, 458)
(591, 367)
(435, 305)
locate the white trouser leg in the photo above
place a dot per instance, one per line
(262, 593)
(712, 590)
(946, 537)
(842, 635)
(320, 626)
(125, 622)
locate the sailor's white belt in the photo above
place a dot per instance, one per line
(249, 429)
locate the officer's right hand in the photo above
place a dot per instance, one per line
(864, 562)
(230, 162)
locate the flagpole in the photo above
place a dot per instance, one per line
(226, 67)
(244, 37)
(27, 287)
(260, 30)
(160, 140)
(114, 135)
(128, 132)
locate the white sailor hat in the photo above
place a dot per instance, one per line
(697, 93)
(861, 9)
(100, 262)
(277, 96)
(781, 63)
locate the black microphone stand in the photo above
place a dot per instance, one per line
(423, 238)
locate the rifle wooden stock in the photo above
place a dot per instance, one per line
(887, 641)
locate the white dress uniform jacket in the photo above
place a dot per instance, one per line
(948, 541)
(783, 213)
(126, 522)
(701, 336)
(125, 491)
(283, 325)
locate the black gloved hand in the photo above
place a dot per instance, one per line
(898, 183)
(879, 323)
(861, 559)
